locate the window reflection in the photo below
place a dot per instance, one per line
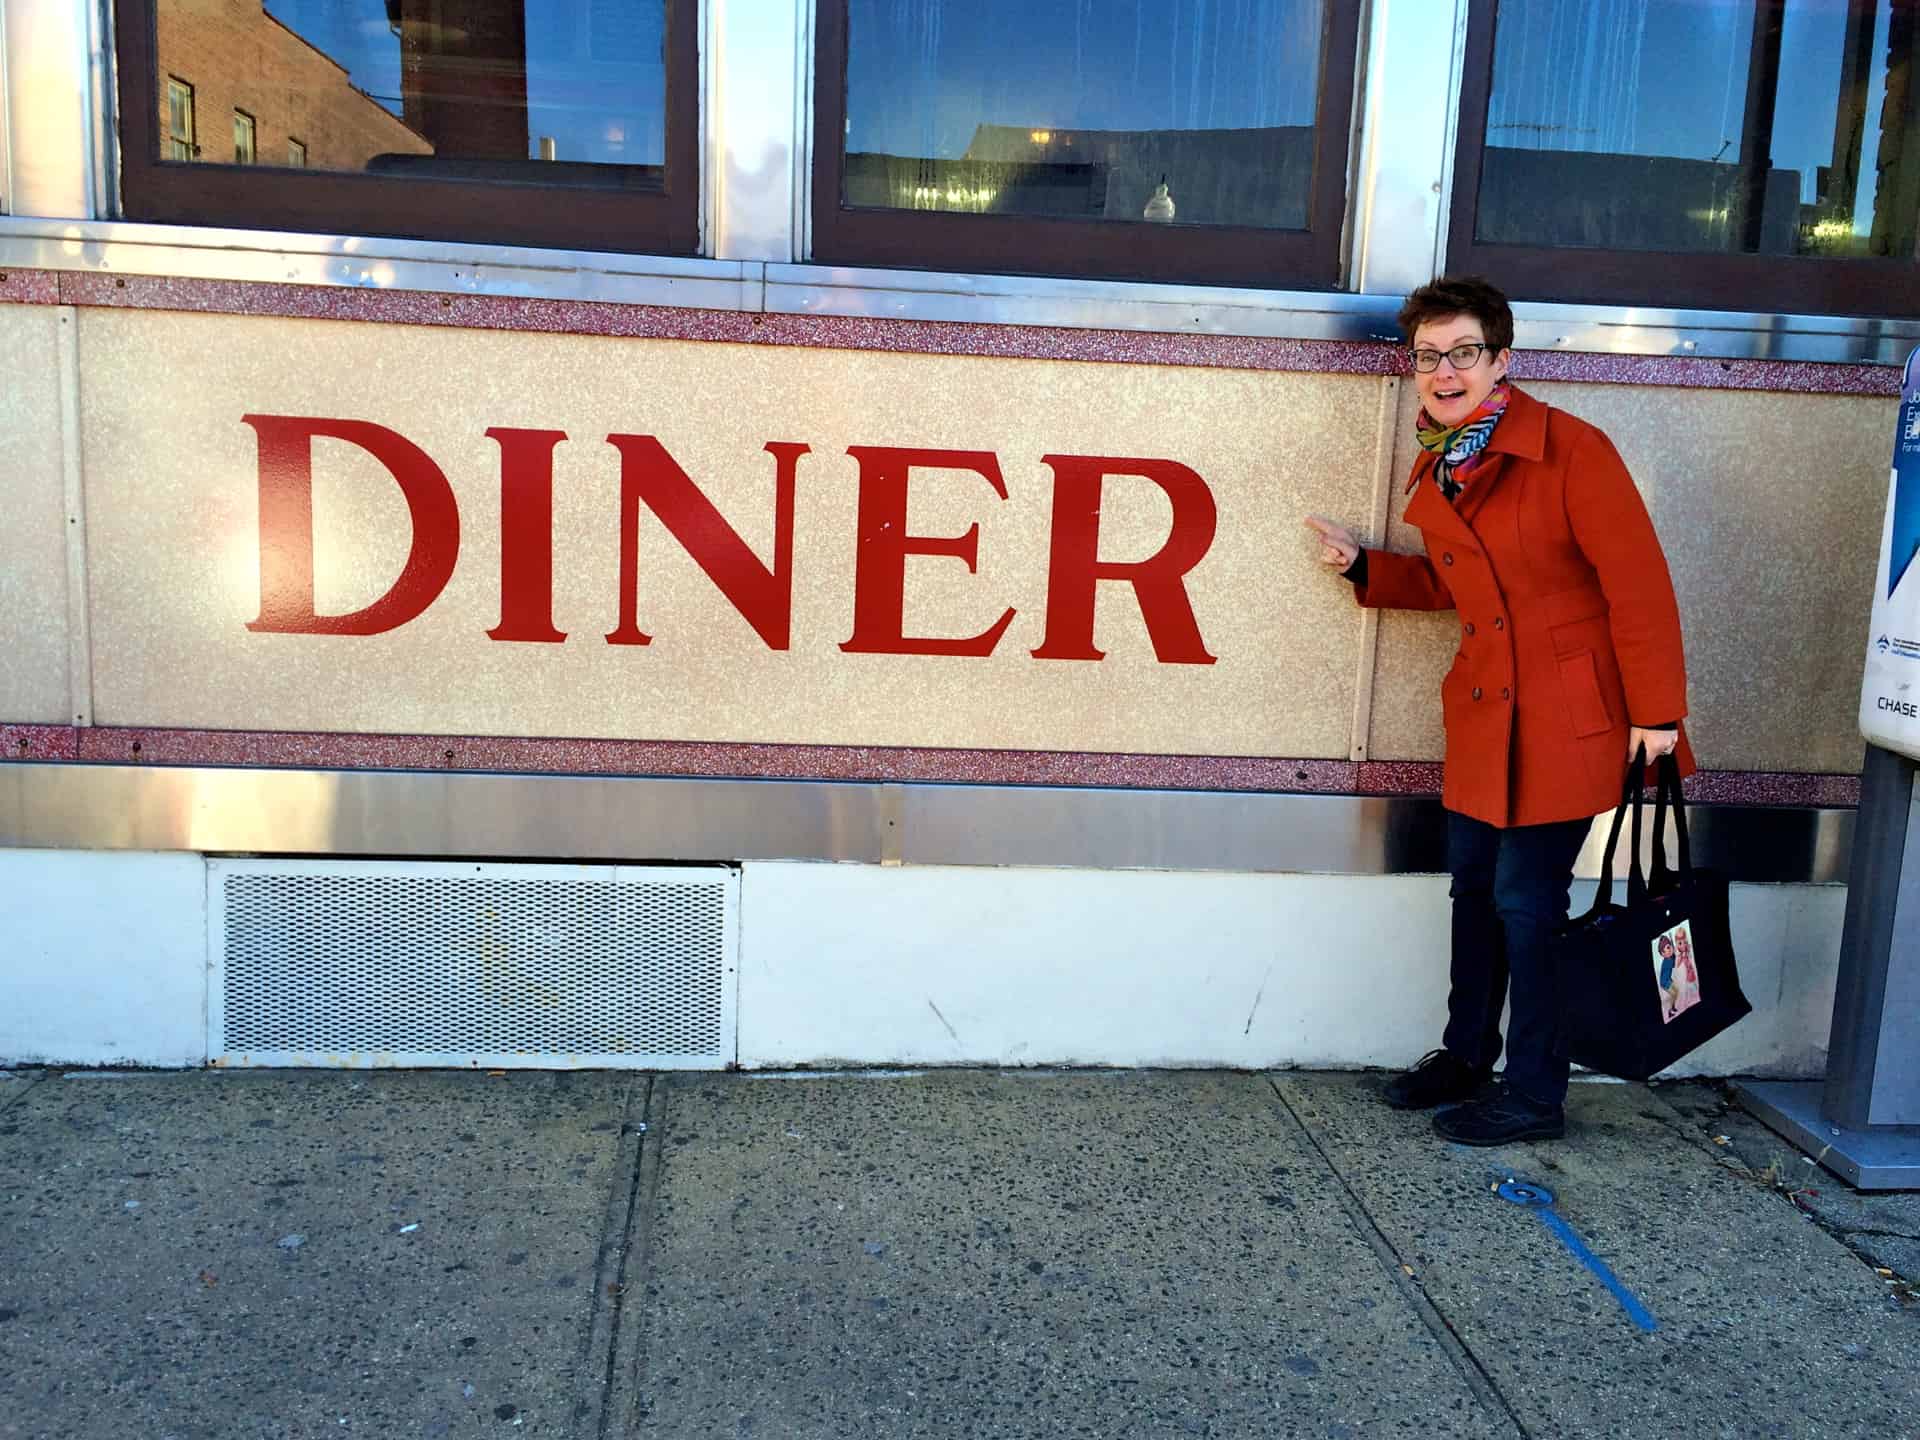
(1133, 111)
(553, 91)
(180, 141)
(1722, 126)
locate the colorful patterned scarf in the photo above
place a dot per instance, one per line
(1460, 448)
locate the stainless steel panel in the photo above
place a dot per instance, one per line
(1400, 186)
(377, 263)
(1316, 315)
(1752, 843)
(103, 88)
(443, 814)
(1163, 830)
(1083, 304)
(51, 124)
(736, 284)
(418, 813)
(753, 136)
(1643, 330)
(6, 147)
(1316, 834)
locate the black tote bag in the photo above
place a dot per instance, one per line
(1645, 983)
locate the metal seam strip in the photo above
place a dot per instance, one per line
(630, 1349)
(1456, 77)
(892, 824)
(103, 139)
(1479, 1380)
(1361, 739)
(17, 1089)
(79, 628)
(713, 162)
(802, 134)
(6, 128)
(599, 1345)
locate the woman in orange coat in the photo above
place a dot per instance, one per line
(1569, 662)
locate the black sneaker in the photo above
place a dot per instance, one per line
(1503, 1120)
(1439, 1078)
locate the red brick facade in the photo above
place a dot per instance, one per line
(238, 58)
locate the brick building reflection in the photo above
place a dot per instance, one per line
(463, 74)
(230, 72)
(462, 68)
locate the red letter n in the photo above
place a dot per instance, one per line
(763, 596)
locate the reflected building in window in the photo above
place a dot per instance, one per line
(463, 75)
(1258, 176)
(1781, 129)
(1633, 202)
(231, 56)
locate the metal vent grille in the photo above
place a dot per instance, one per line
(332, 963)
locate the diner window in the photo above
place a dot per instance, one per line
(1714, 154)
(179, 144)
(1133, 140)
(570, 123)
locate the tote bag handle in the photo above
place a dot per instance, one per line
(1661, 878)
(1630, 798)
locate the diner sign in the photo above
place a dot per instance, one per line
(325, 526)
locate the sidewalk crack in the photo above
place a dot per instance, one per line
(624, 1383)
(32, 1081)
(1401, 1273)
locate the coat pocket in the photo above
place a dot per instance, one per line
(1580, 684)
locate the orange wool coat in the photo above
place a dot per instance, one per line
(1569, 632)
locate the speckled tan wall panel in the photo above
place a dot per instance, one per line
(172, 481)
(1769, 507)
(1414, 649)
(33, 542)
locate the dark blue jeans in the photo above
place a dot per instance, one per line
(1510, 890)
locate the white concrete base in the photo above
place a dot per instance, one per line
(103, 958)
(847, 964)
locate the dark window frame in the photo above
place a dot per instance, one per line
(1309, 259)
(666, 221)
(1669, 280)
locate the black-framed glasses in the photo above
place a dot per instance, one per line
(1463, 356)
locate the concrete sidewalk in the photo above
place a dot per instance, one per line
(954, 1253)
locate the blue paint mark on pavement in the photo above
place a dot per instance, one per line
(1539, 1199)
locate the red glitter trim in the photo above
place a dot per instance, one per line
(725, 760)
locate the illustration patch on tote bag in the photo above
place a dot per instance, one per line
(1674, 971)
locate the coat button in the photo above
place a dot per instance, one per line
(1476, 692)
(1447, 559)
(1469, 627)
(1505, 693)
(1499, 622)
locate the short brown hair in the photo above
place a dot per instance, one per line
(1461, 295)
